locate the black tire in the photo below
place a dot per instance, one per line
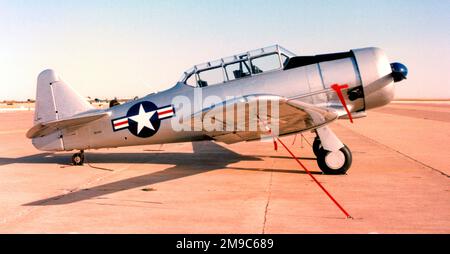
(342, 161)
(317, 145)
(78, 159)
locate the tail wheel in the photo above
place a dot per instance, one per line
(336, 162)
(78, 159)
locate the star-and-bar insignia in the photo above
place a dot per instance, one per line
(140, 117)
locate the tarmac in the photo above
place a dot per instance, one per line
(398, 183)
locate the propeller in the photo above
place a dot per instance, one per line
(399, 71)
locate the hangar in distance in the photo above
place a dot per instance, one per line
(246, 97)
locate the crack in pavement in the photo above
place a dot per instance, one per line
(397, 151)
(269, 189)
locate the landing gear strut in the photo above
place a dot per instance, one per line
(335, 162)
(78, 158)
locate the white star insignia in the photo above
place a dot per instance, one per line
(143, 119)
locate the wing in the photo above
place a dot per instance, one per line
(239, 121)
(43, 129)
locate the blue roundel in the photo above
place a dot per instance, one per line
(143, 120)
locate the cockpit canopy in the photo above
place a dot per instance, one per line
(238, 66)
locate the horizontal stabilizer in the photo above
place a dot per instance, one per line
(43, 129)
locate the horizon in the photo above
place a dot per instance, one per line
(107, 49)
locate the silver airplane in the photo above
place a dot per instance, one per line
(304, 93)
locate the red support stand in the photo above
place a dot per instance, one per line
(337, 88)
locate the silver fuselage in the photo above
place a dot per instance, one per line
(366, 68)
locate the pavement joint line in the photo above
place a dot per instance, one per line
(392, 149)
(268, 198)
(96, 180)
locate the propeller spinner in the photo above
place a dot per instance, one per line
(399, 71)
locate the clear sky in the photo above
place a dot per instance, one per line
(128, 48)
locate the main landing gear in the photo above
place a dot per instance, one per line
(78, 158)
(336, 158)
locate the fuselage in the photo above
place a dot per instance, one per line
(366, 72)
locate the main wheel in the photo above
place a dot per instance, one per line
(317, 145)
(78, 159)
(335, 163)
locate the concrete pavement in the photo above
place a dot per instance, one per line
(399, 182)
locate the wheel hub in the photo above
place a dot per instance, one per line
(335, 159)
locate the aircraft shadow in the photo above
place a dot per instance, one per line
(202, 151)
(276, 170)
(207, 156)
(148, 157)
(45, 158)
(286, 157)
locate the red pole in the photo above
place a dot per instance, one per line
(315, 180)
(307, 171)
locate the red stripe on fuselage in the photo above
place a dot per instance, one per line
(121, 123)
(165, 112)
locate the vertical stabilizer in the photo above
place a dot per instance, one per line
(56, 100)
